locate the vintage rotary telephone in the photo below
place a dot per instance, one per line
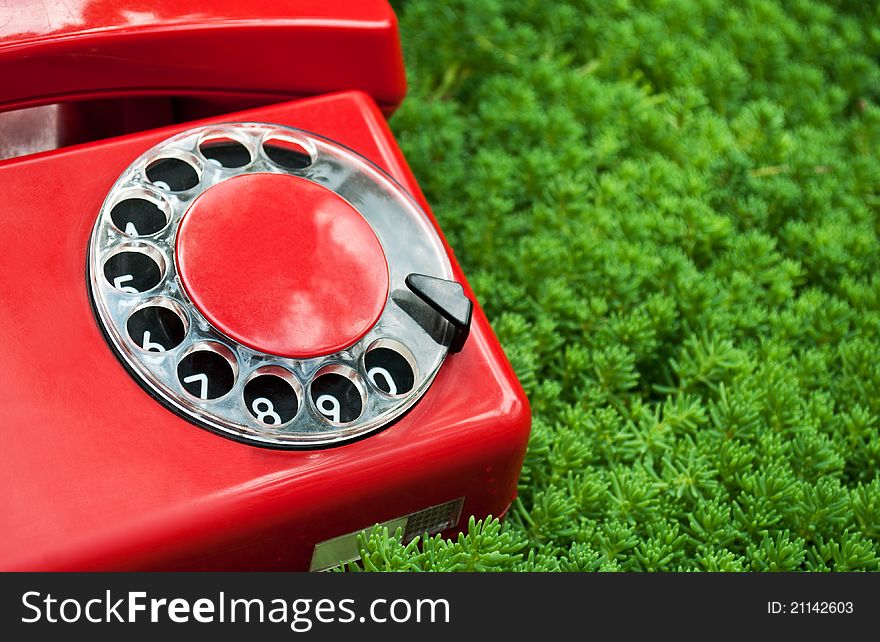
(231, 340)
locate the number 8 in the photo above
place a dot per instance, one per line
(263, 414)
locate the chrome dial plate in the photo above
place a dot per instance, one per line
(177, 355)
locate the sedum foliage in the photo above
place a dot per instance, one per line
(669, 211)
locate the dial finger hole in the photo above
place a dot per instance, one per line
(337, 394)
(173, 174)
(390, 367)
(140, 215)
(158, 325)
(287, 153)
(207, 371)
(134, 268)
(225, 151)
(271, 396)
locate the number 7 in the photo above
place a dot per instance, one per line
(201, 378)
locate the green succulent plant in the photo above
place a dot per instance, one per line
(669, 211)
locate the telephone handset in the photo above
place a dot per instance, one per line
(55, 50)
(273, 275)
(110, 67)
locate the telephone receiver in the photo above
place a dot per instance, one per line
(235, 334)
(111, 67)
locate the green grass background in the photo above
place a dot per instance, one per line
(669, 211)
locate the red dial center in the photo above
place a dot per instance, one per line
(282, 265)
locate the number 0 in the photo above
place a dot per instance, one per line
(389, 380)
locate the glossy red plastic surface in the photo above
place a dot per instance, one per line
(282, 265)
(98, 475)
(60, 50)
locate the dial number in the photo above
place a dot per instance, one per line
(267, 413)
(337, 397)
(125, 278)
(388, 369)
(270, 396)
(138, 216)
(202, 380)
(388, 384)
(157, 327)
(205, 373)
(151, 346)
(329, 407)
(132, 271)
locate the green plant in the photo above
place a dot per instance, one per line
(669, 211)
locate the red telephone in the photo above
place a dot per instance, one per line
(235, 342)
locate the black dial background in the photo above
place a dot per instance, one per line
(288, 156)
(226, 152)
(177, 174)
(396, 365)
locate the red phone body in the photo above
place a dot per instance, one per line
(97, 475)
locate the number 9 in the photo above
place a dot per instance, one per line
(333, 412)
